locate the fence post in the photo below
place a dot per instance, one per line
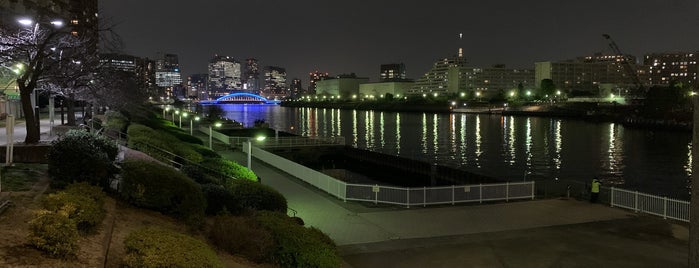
(533, 184)
(452, 194)
(376, 195)
(636, 201)
(480, 193)
(424, 196)
(611, 198)
(407, 196)
(507, 191)
(665, 208)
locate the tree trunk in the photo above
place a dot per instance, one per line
(693, 204)
(32, 125)
(70, 104)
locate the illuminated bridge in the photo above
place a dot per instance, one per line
(241, 98)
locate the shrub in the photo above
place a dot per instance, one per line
(219, 199)
(256, 196)
(54, 233)
(298, 246)
(205, 151)
(153, 143)
(115, 121)
(244, 236)
(198, 174)
(229, 168)
(83, 210)
(82, 156)
(153, 185)
(83, 188)
(158, 247)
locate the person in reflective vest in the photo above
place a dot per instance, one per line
(594, 190)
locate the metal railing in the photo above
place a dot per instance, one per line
(405, 196)
(667, 208)
(276, 142)
(454, 194)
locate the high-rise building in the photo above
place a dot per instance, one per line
(314, 77)
(198, 85)
(664, 68)
(392, 72)
(251, 75)
(295, 88)
(275, 82)
(167, 73)
(224, 76)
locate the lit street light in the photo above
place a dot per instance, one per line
(191, 125)
(211, 134)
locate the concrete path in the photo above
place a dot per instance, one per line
(349, 223)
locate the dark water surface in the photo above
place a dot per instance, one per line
(506, 147)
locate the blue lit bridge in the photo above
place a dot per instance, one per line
(242, 98)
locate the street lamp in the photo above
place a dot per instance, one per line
(211, 134)
(165, 110)
(185, 114)
(191, 125)
(173, 115)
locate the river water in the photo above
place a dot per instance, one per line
(511, 148)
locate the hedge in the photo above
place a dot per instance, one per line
(242, 236)
(159, 247)
(54, 233)
(229, 168)
(298, 246)
(156, 186)
(82, 209)
(82, 156)
(148, 140)
(256, 196)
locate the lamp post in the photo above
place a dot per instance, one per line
(185, 114)
(211, 134)
(173, 115)
(191, 125)
(165, 110)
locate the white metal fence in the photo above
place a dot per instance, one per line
(398, 195)
(272, 142)
(655, 205)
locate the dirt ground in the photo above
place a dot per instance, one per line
(121, 219)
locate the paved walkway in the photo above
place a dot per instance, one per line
(539, 233)
(21, 131)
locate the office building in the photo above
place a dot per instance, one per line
(198, 86)
(295, 88)
(275, 82)
(664, 68)
(313, 78)
(392, 72)
(224, 76)
(251, 76)
(167, 73)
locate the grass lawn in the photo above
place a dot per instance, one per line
(21, 177)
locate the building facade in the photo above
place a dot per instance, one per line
(392, 72)
(313, 78)
(224, 76)
(167, 73)
(381, 89)
(342, 86)
(251, 75)
(664, 68)
(275, 82)
(198, 86)
(295, 88)
(589, 73)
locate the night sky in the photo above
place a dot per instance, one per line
(357, 36)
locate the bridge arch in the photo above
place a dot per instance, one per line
(243, 97)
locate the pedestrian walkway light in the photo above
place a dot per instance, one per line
(211, 134)
(191, 124)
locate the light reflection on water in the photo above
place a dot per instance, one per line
(501, 146)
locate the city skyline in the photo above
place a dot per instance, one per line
(359, 36)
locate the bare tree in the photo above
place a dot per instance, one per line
(41, 50)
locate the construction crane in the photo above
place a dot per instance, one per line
(625, 63)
